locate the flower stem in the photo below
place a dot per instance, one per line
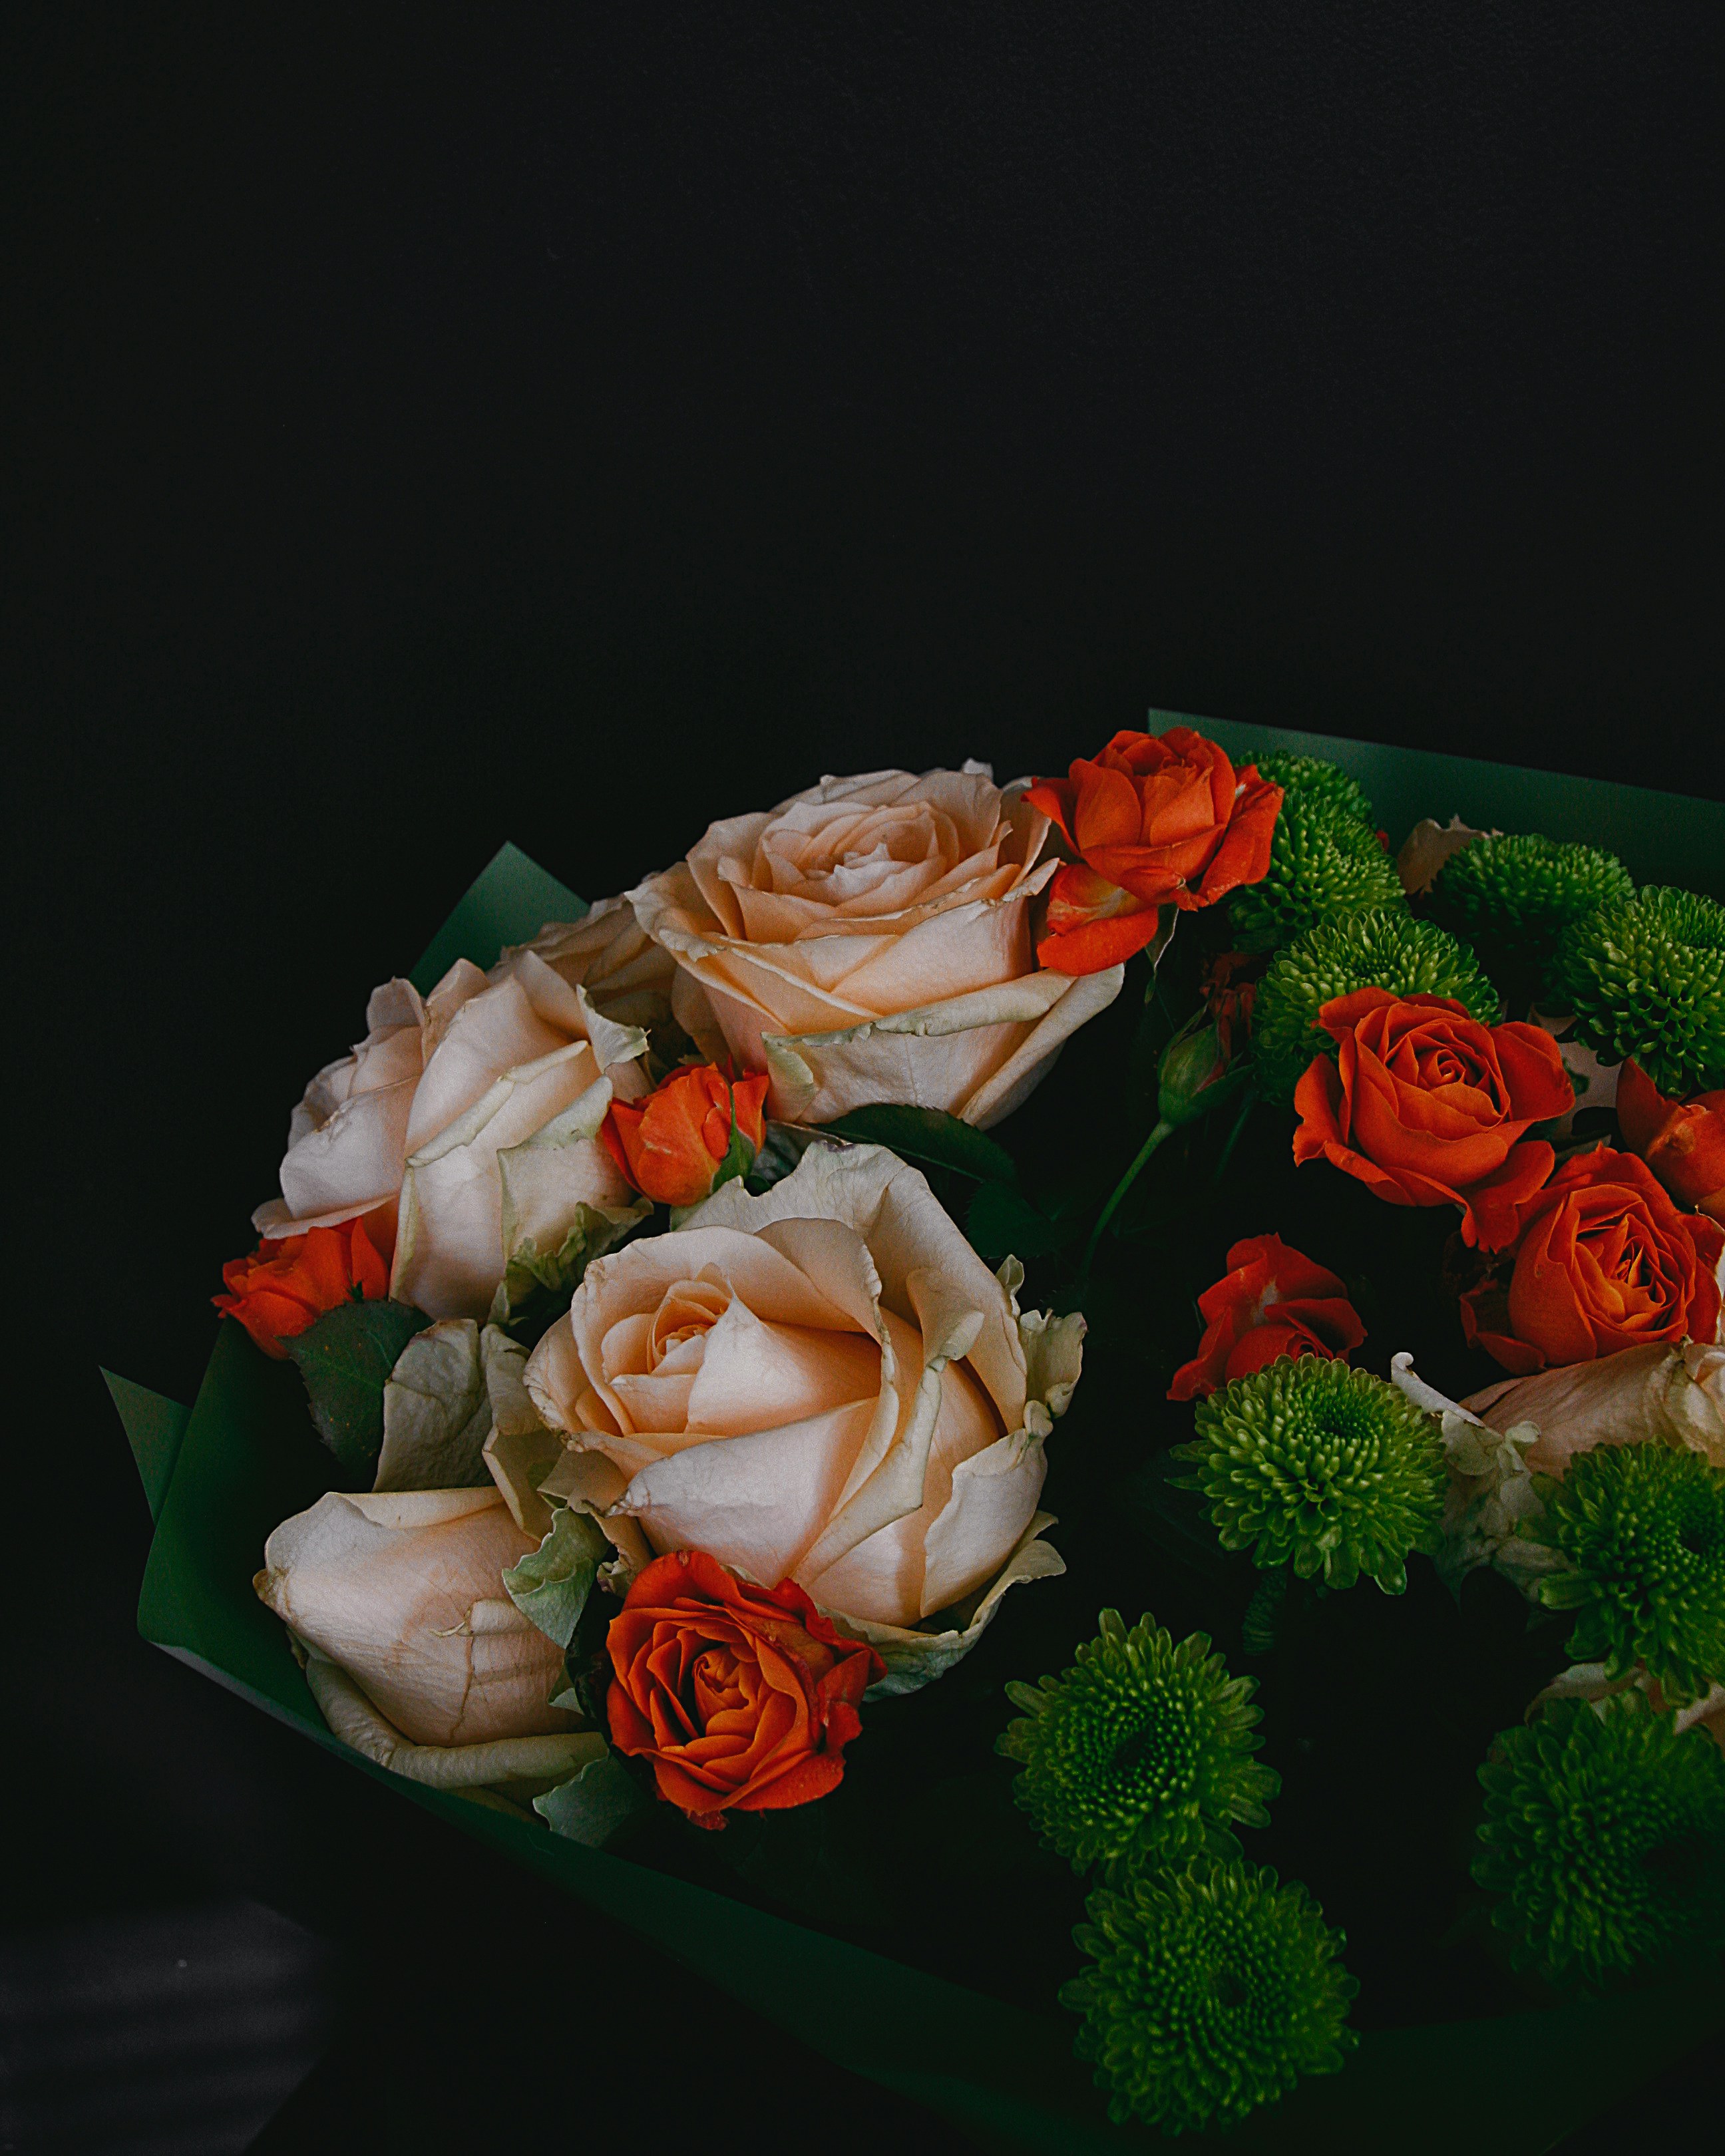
(1239, 1123)
(1163, 1130)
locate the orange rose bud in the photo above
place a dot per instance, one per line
(1427, 1106)
(1272, 1301)
(286, 1286)
(743, 1697)
(1682, 1142)
(1155, 819)
(673, 1145)
(1604, 1261)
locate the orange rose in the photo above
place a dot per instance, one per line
(672, 1145)
(1155, 819)
(742, 1697)
(1427, 1106)
(1605, 1261)
(1272, 1301)
(287, 1285)
(1682, 1142)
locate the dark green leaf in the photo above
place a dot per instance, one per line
(1003, 1223)
(345, 1359)
(929, 1135)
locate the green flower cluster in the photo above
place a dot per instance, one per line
(1604, 1834)
(1386, 948)
(1315, 778)
(1310, 1462)
(1324, 864)
(1140, 1752)
(1512, 897)
(1214, 1991)
(1646, 978)
(1643, 1529)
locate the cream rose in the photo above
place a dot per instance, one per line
(466, 1122)
(824, 1384)
(869, 940)
(405, 1593)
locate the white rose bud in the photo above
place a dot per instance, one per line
(405, 1591)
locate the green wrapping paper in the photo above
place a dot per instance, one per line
(245, 1457)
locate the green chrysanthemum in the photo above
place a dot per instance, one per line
(1643, 1529)
(1386, 948)
(1141, 1751)
(1512, 897)
(1324, 864)
(1328, 1468)
(1604, 1833)
(1315, 778)
(1646, 979)
(1215, 1989)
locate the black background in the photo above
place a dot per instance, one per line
(433, 427)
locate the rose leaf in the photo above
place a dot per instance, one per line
(346, 1358)
(929, 1135)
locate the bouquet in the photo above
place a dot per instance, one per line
(1108, 1385)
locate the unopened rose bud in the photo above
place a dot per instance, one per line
(1195, 1074)
(404, 1591)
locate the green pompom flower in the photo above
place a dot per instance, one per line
(1604, 1833)
(1386, 948)
(1328, 1468)
(1643, 1529)
(1316, 778)
(1324, 864)
(1512, 897)
(1215, 1989)
(1646, 979)
(1141, 1751)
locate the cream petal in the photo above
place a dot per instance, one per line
(491, 1033)
(939, 1055)
(450, 1251)
(524, 1764)
(946, 954)
(881, 1575)
(994, 1495)
(755, 1375)
(387, 1587)
(655, 1401)
(889, 1204)
(1010, 1084)
(635, 1279)
(353, 1159)
(755, 1502)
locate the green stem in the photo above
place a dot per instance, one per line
(1239, 1123)
(1163, 1130)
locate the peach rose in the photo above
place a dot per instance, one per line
(1427, 1106)
(1272, 1301)
(405, 1591)
(672, 1145)
(286, 1286)
(464, 1125)
(743, 1697)
(823, 1384)
(1155, 819)
(869, 940)
(1682, 1142)
(1604, 1261)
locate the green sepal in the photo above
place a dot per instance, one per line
(537, 1285)
(551, 1585)
(929, 1135)
(594, 1803)
(345, 1359)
